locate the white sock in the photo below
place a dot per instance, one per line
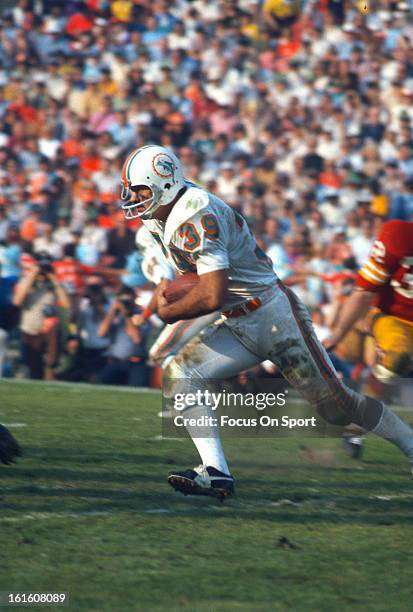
(392, 428)
(206, 437)
(212, 453)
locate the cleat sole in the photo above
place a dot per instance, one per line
(189, 487)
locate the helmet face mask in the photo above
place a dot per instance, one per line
(157, 169)
(126, 192)
(142, 209)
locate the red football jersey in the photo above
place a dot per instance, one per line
(388, 270)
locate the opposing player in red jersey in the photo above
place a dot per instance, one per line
(384, 285)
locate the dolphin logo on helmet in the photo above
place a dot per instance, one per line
(163, 165)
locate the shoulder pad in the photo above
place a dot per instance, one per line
(187, 207)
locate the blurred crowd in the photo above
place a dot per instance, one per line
(298, 115)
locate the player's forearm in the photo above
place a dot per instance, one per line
(356, 307)
(194, 304)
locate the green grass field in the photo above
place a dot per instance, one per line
(87, 510)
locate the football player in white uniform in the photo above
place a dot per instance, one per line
(262, 319)
(174, 336)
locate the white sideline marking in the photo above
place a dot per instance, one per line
(45, 516)
(52, 386)
(390, 497)
(162, 438)
(36, 516)
(15, 425)
(198, 504)
(285, 502)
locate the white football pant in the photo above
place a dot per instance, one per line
(280, 331)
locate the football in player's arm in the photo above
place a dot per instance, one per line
(207, 296)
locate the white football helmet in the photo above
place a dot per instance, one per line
(154, 167)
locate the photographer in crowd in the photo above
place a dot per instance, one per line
(39, 295)
(92, 313)
(127, 352)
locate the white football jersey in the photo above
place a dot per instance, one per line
(203, 234)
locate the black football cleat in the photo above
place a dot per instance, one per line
(203, 480)
(353, 445)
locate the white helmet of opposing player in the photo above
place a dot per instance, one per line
(158, 169)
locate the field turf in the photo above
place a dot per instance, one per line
(87, 510)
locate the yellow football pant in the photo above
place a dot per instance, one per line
(394, 340)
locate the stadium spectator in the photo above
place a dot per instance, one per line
(10, 254)
(127, 350)
(38, 295)
(73, 361)
(363, 241)
(92, 312)
(120, 242)
(46, 242)
(8, 315)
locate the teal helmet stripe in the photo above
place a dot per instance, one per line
(129, 165)
(132, 158)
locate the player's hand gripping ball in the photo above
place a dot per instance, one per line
(180, 286)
